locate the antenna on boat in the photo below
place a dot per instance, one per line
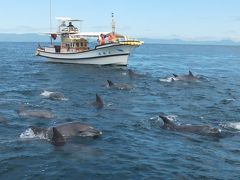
(81, 25)
(113, 24)
(50, 19)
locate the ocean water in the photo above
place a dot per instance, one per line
(133, 144)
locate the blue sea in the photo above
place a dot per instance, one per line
(133, 144)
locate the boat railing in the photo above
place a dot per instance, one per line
(123, 42)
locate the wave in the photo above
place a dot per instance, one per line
(168, 79)
(233, 125)
(29, 134)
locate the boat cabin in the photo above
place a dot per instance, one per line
(69, 41)
(69, 44)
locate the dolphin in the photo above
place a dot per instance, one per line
(118, 86)
(188, 77)
(134, 74)
(34, 113)
(59, 133)
(196, 129)
(99, 102)
(56, 96)
(53, 95)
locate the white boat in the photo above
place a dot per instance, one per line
(75, 47)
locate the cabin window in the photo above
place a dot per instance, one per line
(81, 44)
(77, 44)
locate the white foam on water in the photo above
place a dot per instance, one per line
(169, 79)
(29, 134)
(109, 104)
(234, 125)
(230, 99)
(64, 99)
(46, 93)
(172, 117)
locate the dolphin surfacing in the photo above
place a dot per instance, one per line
(58, 134)
(196, 129)
(53, 95)
(34, 113)
(189, 77)
(118, 86)
(98, 102)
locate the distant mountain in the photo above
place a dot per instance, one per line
(179, 41)
(32, 37)
(11, 37)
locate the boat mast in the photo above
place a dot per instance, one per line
(50, 20)
(113, 24)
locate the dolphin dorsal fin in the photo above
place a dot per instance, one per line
(99, 101)
(57, 138)
(175, 75)
(190, 73)
(110, 83)
(167, 121)
(172, 80)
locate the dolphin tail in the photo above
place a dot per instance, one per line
(167, 121)
(110, 83)
(99, 101)
(175, 75)
(190, 73)
(57, 138)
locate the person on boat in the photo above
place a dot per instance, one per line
(70, 24)
(102, 39)
(71, 27)
(111, 37)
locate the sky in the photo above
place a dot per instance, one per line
(164, 19)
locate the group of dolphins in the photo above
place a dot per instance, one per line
(58, 134)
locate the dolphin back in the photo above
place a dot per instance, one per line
(77, 129)
(56, 96)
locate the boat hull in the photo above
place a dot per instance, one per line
(102, 55)
(107, 60)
